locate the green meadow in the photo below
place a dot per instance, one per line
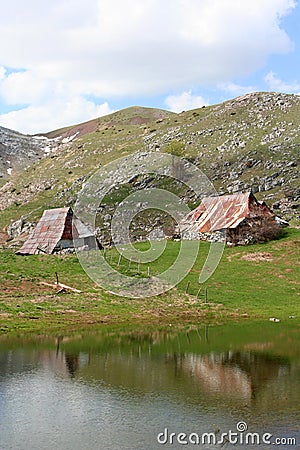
(259, 281)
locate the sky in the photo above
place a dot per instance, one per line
(64, 62)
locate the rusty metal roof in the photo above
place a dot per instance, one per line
(223, 212)
(54, 225)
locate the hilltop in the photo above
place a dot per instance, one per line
(134, 115)
(251, 142)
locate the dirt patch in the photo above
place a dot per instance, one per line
(24, 287)
(80, 130)
(3, 237)
(257, 257)
(232, 256)
(138, 120)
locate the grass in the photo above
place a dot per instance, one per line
(240, 288)
(255, 287)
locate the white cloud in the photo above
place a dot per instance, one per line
(23, 87)
(236, 89)
(2, 73)
(53, 115)
(184, 102)
(276, 84)
(115, 48)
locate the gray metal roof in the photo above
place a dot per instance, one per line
(54, 225)
(223, 212)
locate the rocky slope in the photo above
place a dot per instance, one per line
(251, 142)
(18, 151)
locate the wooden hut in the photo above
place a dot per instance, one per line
(237, 219)
(56, 231)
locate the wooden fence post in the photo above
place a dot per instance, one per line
(187, 287)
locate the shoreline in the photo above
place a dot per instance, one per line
(63, 313)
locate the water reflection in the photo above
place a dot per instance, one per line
(213, 374)
(143, 362)
(239, 375)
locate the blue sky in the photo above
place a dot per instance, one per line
(67, 61)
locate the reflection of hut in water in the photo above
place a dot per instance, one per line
(227, 378)
(54, 362)
(232, 374)
(60, 362)
(231, 377)
(215, 377)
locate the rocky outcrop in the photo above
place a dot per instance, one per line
(18, 151)
(21, 226)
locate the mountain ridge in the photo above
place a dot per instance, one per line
(250, 142)
(133, 115)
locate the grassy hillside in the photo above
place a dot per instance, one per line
(252, 142)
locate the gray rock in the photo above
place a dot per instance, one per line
(15, 229)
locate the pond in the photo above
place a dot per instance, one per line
(229, 386)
